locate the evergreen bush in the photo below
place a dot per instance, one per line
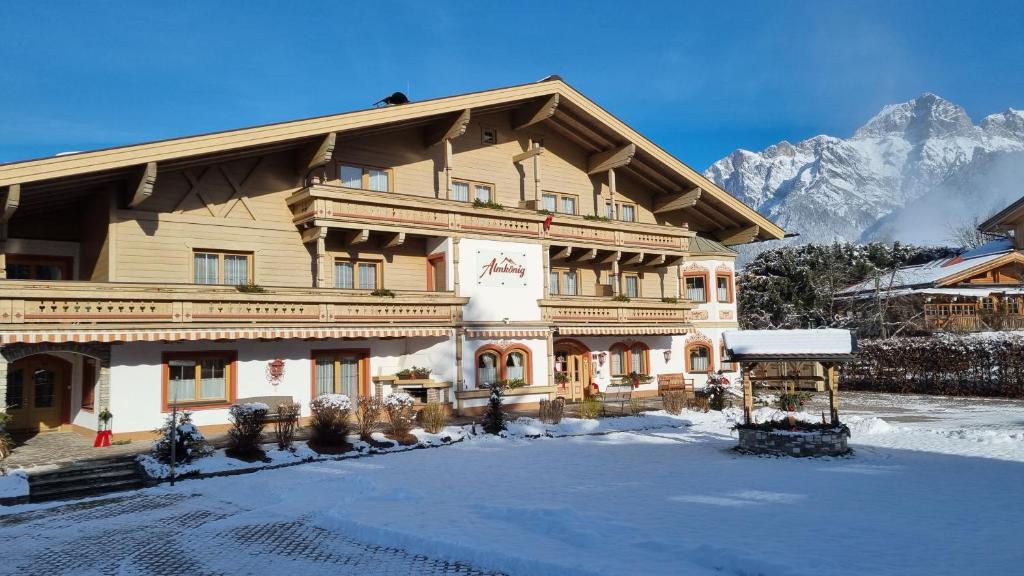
(190, 445)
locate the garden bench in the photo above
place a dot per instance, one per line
(620, 394)
(272, 402)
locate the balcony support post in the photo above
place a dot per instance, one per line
(11, 200)
(318, 235)
(679, 280)
(460, 376)
(455, 266)
(615, 277)
(551, 362)
(547, 271)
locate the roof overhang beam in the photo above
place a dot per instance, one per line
(448, 128)
(141, 186)
(740, 235)
(610, 159)
(317, 153)
(11, 201)
(534, 112)
(678, 201)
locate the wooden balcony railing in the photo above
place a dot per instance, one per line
(334, 206)
(975, 323)
(586, 309)
(106, 303)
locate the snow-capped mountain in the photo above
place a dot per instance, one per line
(912, 173)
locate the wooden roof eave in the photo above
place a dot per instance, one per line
(205, 144)
(1005, 219)
(1008, 258)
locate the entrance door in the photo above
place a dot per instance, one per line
(572, 370)
(37, 392)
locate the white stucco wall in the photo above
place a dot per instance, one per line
(136, 372)
(516, 300)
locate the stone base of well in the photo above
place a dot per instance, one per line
(799, 444)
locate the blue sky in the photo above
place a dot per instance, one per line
(699, 78)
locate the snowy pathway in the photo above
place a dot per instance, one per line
(659, 501)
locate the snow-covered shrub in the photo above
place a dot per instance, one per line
(369, 413)
(190, 444)
(401, 416)
(716, 395)
(674, 401)
(246, 432)
(434, 417)
(551, 411)
(286, 424)
(329, 423)
(985, 364)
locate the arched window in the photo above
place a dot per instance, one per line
(698, 358)
(494, 364)
(487, 368)
(626, 359)
(515, 365)
(617, 358)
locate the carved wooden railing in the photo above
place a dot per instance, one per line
(334, 206)
(82, 303)
(584, 309)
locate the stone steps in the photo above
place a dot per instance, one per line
(82, 479)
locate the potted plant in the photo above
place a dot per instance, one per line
(103, 431)
(636, 379)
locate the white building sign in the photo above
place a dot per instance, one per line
(500, 269)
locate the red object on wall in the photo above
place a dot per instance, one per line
(547, 223)
(103, 439)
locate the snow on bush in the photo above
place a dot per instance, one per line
(332, 401)
(250, 407)
(983, 364)
(397, 400)
(190, 442)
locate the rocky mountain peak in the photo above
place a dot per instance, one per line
(924, 117)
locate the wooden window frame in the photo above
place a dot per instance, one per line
(689, 360)
(431, 277)
(558, 201)
(66, 263)
(472, 189)
(250, 265)
(230, 385)
(365, 180)
(364, 369)
(707, 285)
(356, 262)
(627, 357)
(502, 354)
(639, 283)
(729, 287)
(617, 211)
(90, 373)
(560, 274)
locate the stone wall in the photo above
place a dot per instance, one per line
(800, 444)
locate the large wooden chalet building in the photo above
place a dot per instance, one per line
(522, 233)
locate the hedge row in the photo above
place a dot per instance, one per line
(988, 364)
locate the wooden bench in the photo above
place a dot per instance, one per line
(678, 383)
(621, 394)
(272, 402)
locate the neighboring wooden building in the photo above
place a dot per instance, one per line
(485, 236)
(979, 290)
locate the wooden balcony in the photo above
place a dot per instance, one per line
(974, 323)
(26, 303)
(333, 206)
(599, 310)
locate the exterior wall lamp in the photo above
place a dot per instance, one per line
(668, 355)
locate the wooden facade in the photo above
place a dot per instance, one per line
(349, 226)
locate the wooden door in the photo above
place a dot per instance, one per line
(575, 365)
(37, 392)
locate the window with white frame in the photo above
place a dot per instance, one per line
(351, 274)
(364, 177)
(229, 268)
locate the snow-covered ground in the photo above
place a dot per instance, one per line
(933, 488)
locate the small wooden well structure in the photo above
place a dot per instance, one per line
(829, 347)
